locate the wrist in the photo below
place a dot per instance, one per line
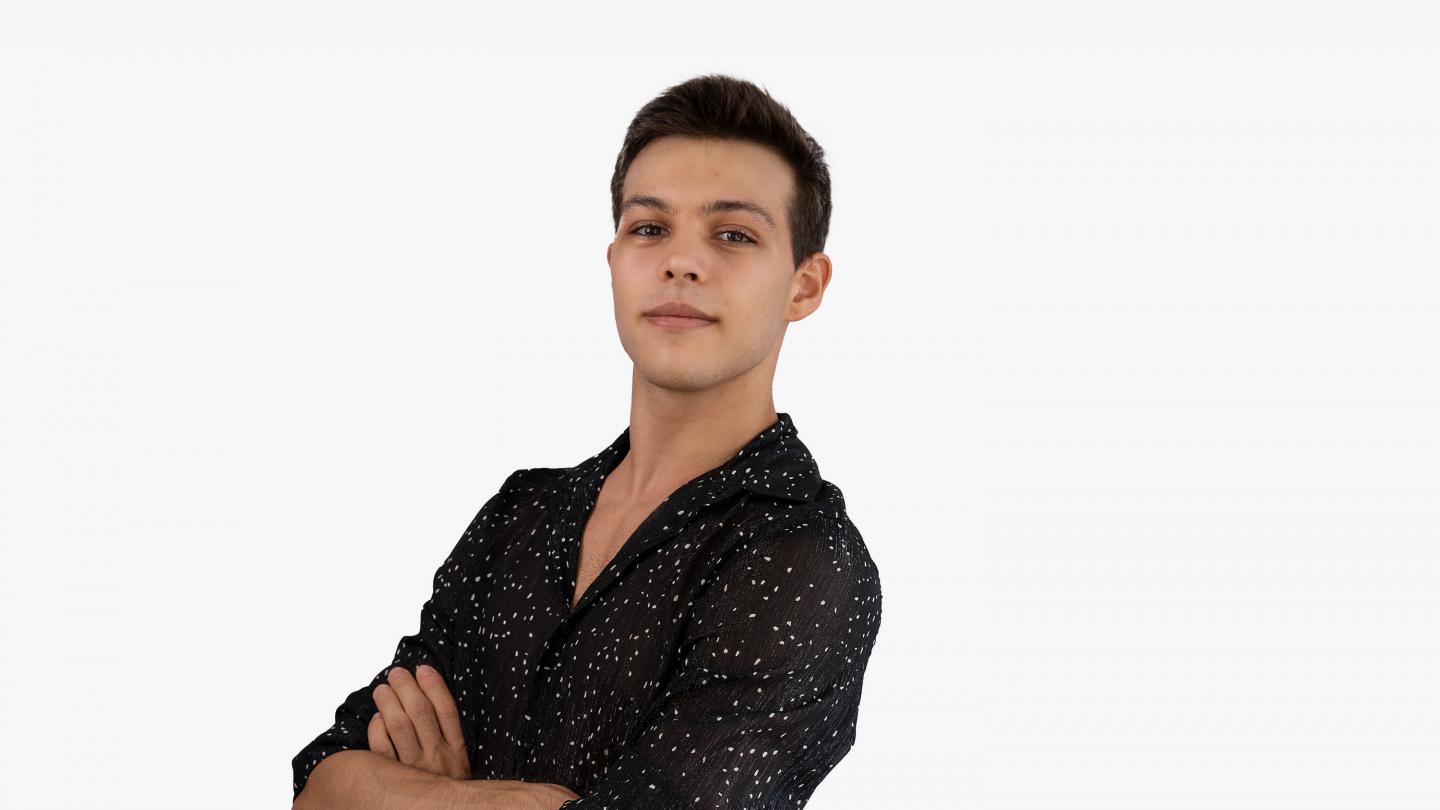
(509, 794)
(547, 796)
(392, 785)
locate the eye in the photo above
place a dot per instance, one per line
(745, 236)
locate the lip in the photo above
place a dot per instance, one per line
(677, 309)
(678, 322)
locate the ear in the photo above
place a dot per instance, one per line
(807, 285)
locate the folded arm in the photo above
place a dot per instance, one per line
(431, 644)
(412, 759)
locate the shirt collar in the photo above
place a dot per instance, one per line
(774, 462)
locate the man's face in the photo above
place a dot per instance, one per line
(733, 265)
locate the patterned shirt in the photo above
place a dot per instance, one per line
(715, 662)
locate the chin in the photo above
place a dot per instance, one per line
(678, 376)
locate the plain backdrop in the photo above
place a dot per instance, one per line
(1127, 370)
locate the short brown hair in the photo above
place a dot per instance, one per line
(718, 106)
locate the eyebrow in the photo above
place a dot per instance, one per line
(712, 207)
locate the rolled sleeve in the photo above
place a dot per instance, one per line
(766, 699)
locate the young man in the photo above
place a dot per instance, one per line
(682, 620)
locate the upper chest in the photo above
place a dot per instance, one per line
(608, 526)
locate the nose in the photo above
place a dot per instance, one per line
(686, 256)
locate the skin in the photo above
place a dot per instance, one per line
(696, 398)
(417, 759)
(419, 723)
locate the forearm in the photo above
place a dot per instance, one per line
(359, 779)
(511, 794)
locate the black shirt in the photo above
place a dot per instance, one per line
(716, 661)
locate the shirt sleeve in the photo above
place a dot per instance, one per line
(432, 643)
(765, 699)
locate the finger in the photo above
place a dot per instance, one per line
(379, 737)
(397, 724)
(443, 703)
(417, 705)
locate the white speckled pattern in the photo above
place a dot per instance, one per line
(716, 662)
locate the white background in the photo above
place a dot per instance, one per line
(1128, 372)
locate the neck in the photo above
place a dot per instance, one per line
(676, 436)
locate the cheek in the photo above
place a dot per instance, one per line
(752, 324)
(624, 280)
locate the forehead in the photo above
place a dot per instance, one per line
(687, 171)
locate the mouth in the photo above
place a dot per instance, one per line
(679, 323)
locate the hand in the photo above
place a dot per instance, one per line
(418, 723)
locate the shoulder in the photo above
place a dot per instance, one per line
(510, 502)
(816, 541)
(806, 575)
(820, 523)
(531, 479)
(529, 484)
